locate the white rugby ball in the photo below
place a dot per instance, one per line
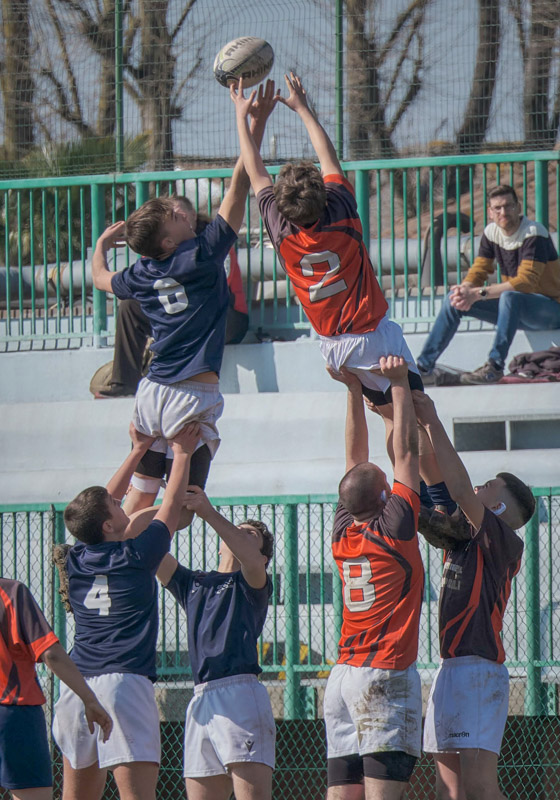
(248, 57)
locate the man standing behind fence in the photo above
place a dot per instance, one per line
(468, 704)
(373, 705)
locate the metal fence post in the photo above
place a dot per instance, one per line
(99, 298)
(142, 192)
(362, 200)
(292, 703)
(533, 691)
(541, 192)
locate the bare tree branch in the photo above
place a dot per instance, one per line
(182, 18)
(401, 22)
(413, 90)
(75, 114)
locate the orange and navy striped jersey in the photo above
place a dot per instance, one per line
(383, 580)
(328, 263)
(475, 588)
(24, 636)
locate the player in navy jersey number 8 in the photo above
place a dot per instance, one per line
(113, 594)
(181, 285)
(373, 704)
(313, 223)
(229, 729)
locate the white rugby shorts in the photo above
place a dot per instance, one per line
(164, 409)
(468, 706)
(360, 352)
(369, 710)
(130, 700)
(228, 721)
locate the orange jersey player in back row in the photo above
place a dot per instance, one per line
(373, 704)
(313, 223)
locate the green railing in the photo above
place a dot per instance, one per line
(406, 206)
(299, 642)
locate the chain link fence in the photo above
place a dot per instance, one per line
(125, 85)
(299, 641)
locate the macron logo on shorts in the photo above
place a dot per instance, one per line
(249, 744)
(459, 735)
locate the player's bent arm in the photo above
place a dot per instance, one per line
(101, 275)
(405, 436)
(120, 481)
(59, 662)
(244, 546)
(456, 476)
(166, 569)
(183, 446)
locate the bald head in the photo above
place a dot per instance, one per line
(360, 490)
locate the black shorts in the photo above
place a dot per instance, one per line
(384, 398)
(25, 760)
(157, 465)
(385, 766)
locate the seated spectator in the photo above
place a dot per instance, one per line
(527, 298)
(130, 360)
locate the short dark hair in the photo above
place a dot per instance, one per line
(143, 229)
(267, 548)
(300, 192)
(500, 190)
(522, 495)
(85, 515)
(360, 490)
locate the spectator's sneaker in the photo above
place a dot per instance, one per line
(487, 373)
(439, 376)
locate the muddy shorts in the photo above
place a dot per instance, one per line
(371, 710)
(468, 706)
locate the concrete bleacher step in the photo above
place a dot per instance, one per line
(282, 428)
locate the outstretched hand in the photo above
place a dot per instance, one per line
(395, 368)
(346, 377)
(297, 97)
(424, 407)
(197, 501)
(113, 236)
(264, 102)
(242, 104)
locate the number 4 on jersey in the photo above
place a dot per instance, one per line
(98, 596)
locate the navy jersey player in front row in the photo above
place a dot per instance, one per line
(113, 594)
(181, 285)
(229, 731)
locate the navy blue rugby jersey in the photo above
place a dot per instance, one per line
(186, 299)
(225, 617)
(113, 591)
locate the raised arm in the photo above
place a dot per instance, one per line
(297, 101)
(260, 106)
(405, 433)
(456, 476)
(183, 445)
(356, 431)
(244, 546)
(120, 481)
(100, 272)
(59, 662)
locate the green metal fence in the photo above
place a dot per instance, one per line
(422, 218)
(299, 642)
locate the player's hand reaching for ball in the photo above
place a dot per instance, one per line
(263, 104)
(197, 501)
(297, 97)
(242, 104)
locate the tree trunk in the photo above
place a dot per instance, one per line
(540, 130)
(156, 73)
(16, 80)
(475, 123)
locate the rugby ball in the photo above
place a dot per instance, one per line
(248, 57)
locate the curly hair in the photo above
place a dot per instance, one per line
(300, 193)
(267, 548)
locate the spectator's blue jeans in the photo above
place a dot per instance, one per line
(513, 310)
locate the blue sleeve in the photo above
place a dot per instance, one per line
(180, 584)
(120, 285)
(152, 544)
(256, 597)
(216, 240)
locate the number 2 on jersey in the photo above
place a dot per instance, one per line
(359, 591)
(322, 289)
(98, 596)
